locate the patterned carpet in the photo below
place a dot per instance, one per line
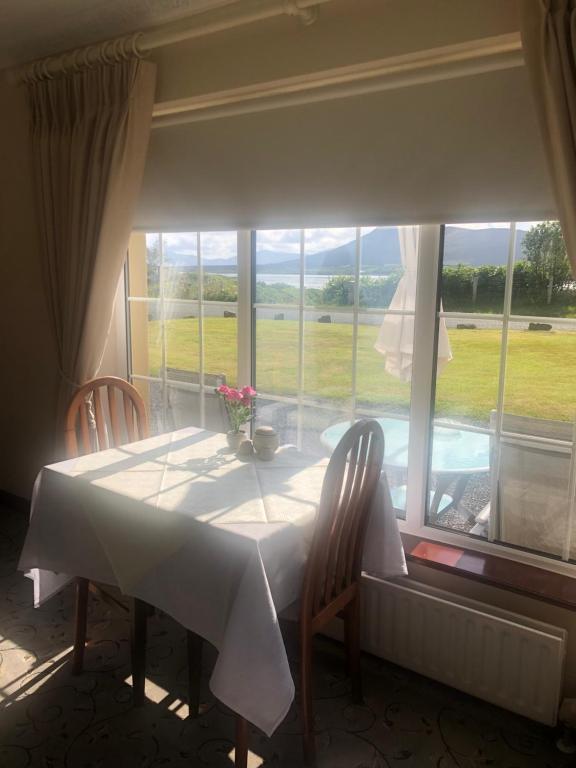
(49, 719)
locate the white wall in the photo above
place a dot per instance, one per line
(346, 32)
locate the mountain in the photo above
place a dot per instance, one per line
(380, 253)
(479, 246)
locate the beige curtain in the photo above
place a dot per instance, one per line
(549, 41)
(90, 133)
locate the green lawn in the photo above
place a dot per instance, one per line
(541, 367)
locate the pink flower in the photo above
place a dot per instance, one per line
(233, 395)
(223, 389)
(248, 393)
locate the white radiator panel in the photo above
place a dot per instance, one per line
(498, 656)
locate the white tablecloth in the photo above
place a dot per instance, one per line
(217, 542)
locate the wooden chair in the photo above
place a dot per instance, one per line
(332, 579)
(93, 425)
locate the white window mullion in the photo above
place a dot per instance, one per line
(300, 414)
(201, 328)
(244, 307)
(423, 375)
(162, 321)
(571, 499)
(494, 520)
(356, 312)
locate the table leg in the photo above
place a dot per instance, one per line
(241, 749)
(139, 626)
(194, 643)
(461, 484)
(443, 482)
(82, 586)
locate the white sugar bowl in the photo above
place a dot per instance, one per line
(265, 443)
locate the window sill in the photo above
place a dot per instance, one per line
(511, 575)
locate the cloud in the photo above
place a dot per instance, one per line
(525, 225)
(315, 240)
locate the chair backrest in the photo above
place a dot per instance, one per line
(93, 425)
(349, 487)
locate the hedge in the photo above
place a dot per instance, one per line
(464, 289)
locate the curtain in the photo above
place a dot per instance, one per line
(89, 131)
(549, 40)
(396, 336)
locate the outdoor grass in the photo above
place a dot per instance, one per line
(540, 373)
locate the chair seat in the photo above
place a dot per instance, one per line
(398, 495)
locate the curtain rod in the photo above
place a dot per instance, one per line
(199, 25)
(432, 65)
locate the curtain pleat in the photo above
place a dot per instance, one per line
(549, 41)
(90, 132)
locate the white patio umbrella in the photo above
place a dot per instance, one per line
(396, 336)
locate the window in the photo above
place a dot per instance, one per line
(504, 404)
(322, 297)
(183, 304)
(460, 338)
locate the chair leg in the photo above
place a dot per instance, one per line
(352, 639)
(80, 625)
(306, 696)
(138, 647)
(241, 749)
(194, 643)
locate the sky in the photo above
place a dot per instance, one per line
(218, 245)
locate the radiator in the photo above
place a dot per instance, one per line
(501, 657)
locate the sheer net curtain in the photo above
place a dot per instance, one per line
(89, 131)
(396, 336)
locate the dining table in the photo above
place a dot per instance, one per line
(215, 540)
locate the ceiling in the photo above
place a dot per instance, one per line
(31, 29)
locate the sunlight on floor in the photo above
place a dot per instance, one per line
(254, 761)
(158, 695)
(32, 678)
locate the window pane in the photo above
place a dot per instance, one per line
(282, 416)
(302, 426)
(278, 266)
(152, 394)
(539, 396)
(182, 343)
(473, 282)
(145, 337)
(376, 388)
(219, 253)
(328, 341)
(474, 267)
(277, 335)
(460, 481)
(533, 492)
(467, 385)
(220, 346)
(380, 266)
(341, 368)
(543, 283)
(330, 267)
(179, 265)
(147, 282)
(313, 425)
